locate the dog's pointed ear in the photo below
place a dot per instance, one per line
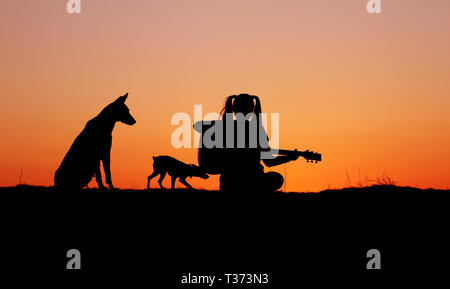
(124, 97)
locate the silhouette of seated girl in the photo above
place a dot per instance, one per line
(239, 165)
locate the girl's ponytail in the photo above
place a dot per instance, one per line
(228, 107)
(257, 109)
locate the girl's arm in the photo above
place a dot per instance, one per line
(278, 160)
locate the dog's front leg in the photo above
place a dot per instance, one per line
(107, 168)
(184, 182)
(98, 177)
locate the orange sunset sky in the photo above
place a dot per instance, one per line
(370, 92)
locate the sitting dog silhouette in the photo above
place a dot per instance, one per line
(91, 146)
(176, 169)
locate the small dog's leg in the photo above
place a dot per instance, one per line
(161, 178)
(150, 177)
(183, 181)
(98, 177)
(173, 182)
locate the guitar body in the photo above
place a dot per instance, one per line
(225, 153)
(208, 159)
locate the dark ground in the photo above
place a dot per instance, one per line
(154, 237)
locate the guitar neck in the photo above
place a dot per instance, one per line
(289, 152)
(308, 155)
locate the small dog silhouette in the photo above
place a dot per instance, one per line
(91, 146)
(176, 169)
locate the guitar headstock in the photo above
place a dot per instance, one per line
(311, 156)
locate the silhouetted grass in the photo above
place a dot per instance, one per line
(384, 186)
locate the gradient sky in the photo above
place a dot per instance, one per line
(370, 92)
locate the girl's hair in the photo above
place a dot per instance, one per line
(232, 102)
